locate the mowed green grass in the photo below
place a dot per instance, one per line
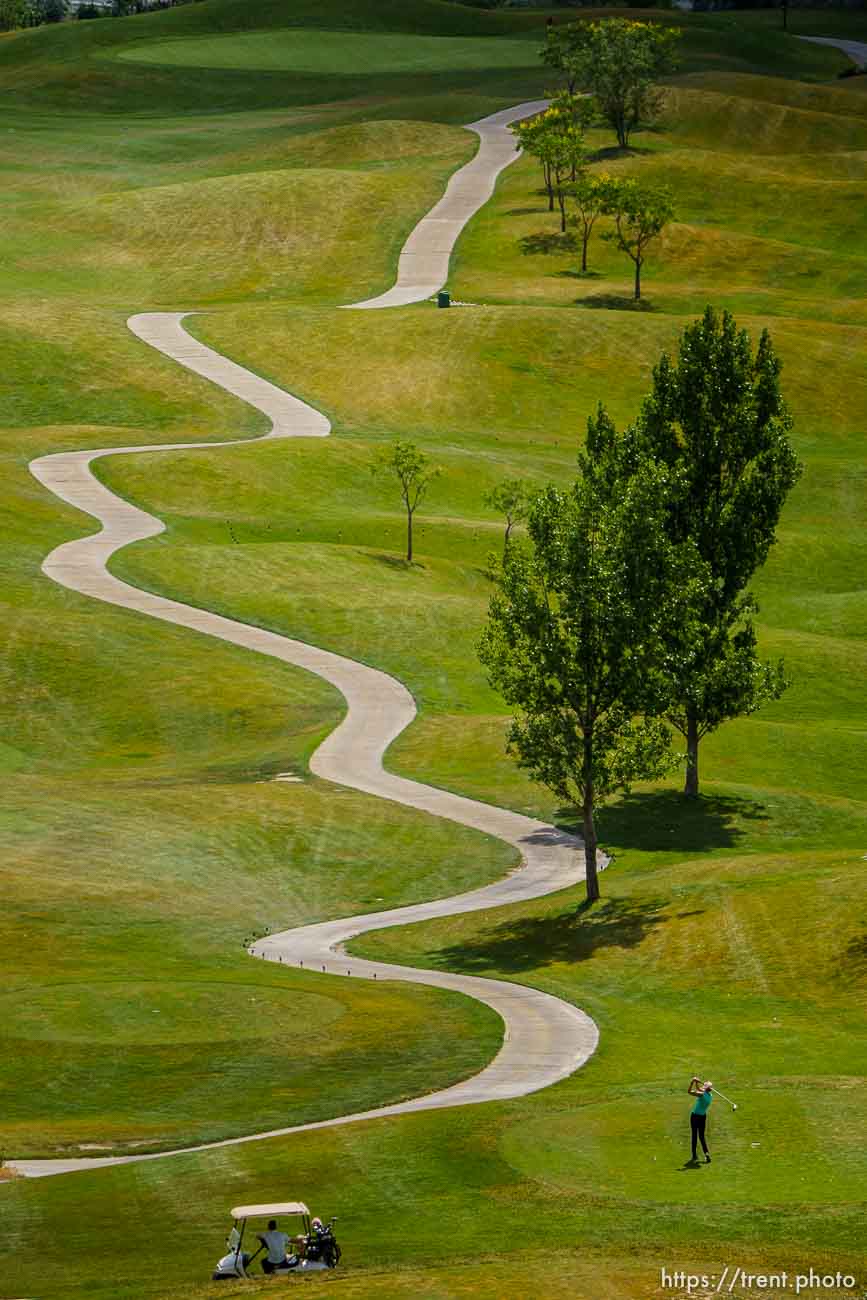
(539, 369)
(323, 51)
(146, 839)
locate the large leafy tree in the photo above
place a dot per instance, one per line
(716, 416)
(575, 639)
(619, 62)
(13, 13)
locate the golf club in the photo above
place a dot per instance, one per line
(733, 1104)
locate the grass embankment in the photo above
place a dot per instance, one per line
(144, 848)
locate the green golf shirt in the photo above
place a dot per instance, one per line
(702, 1103)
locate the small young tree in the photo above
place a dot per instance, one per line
(619, 62)
(510, 498)
(591, 197)
(717, 417)
(562, 42)
(558, 143)
(577, 111)
(575, 639)
(640, 214)
(562, 149)
(528, 135)
(414, 474)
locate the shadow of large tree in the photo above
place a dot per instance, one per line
(653, 821)
(529, 942)
(664, 820)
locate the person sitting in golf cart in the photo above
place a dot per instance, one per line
(277, 1245)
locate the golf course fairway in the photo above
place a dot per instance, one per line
(163, 814)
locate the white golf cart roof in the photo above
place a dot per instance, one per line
(269, 1211)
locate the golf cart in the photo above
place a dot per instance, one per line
(315, 1250)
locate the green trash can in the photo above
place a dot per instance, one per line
(443, 299)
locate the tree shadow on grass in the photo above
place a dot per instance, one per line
(666, 820)
(392, 561)
(578, 275)
(614, 302)
(612, 151)
(527, 212)
(853, 966)
(548, 242)
(527, 943)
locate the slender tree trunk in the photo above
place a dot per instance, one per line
(584, 249)
(409, 537)
(637, 280)
(550, 189)
(561, 200)
(690, 788)
(589, 828)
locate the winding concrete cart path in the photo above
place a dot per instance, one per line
(857, 50)
(545, 1039)
(423, 265)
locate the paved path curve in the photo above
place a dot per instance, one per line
(423, 265)
(545, 1039)
(857, 50)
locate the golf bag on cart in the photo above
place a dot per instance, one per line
(322, 1249)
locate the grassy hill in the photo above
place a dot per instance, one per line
(154, 162)
(237, 53)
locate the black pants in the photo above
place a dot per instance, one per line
(698, 1123)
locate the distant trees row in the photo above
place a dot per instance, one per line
(611, 68)
(34, 13)
(638, 212)
(30, 13)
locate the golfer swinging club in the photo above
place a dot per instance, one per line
(698, 1118)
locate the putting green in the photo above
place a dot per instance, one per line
(351, 53)
(637, 1147)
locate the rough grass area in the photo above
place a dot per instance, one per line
(144, 836)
